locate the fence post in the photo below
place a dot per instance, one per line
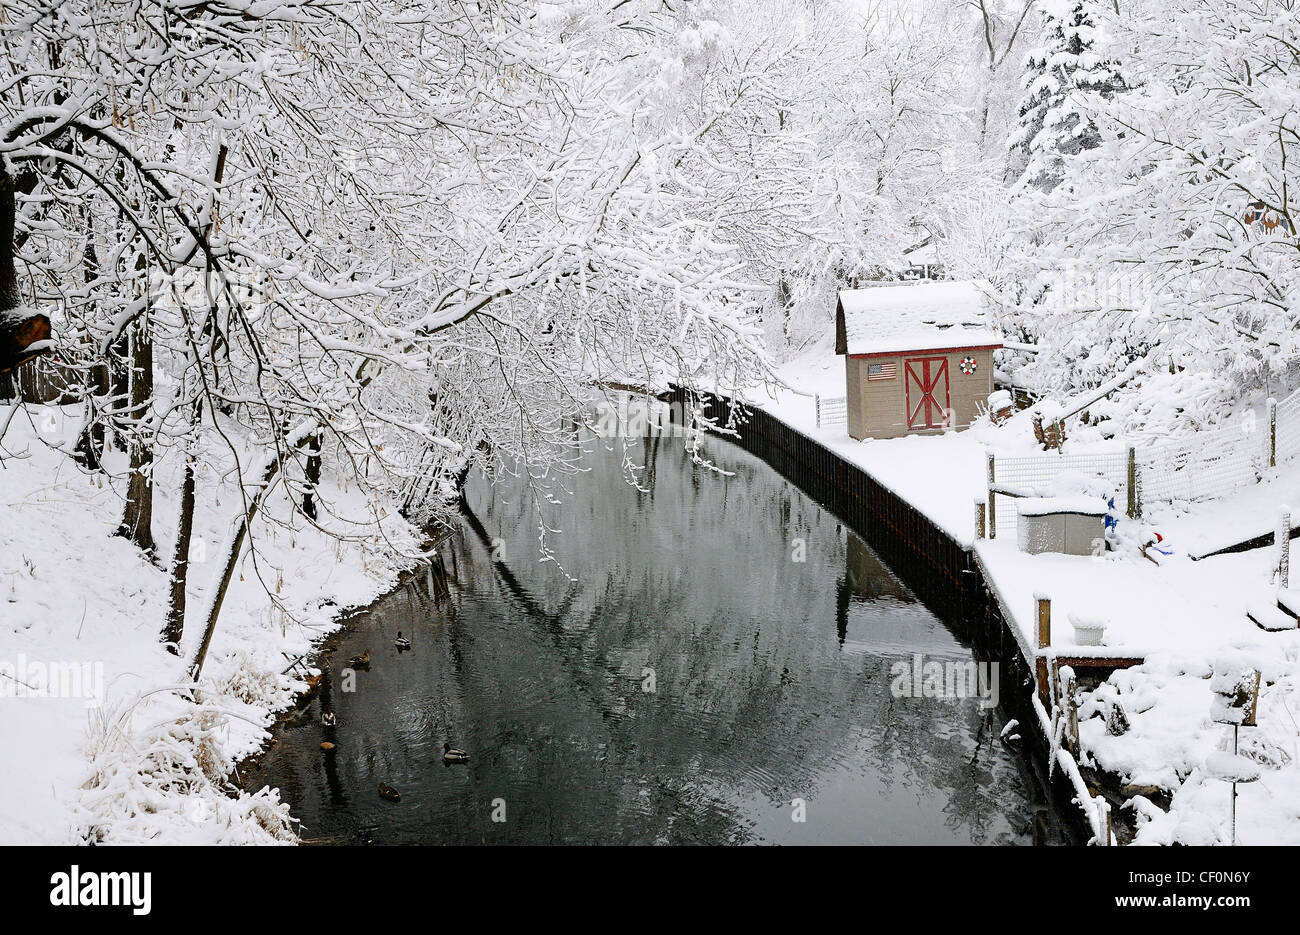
(1043, 610)
(1282, 542)
(1103, 820)
(1069, 686)
(1133, 507)
(1272, 432)
(817, 403)
(993, 506)
(979, 519)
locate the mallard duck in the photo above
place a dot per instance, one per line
(388, 792)
(401, 642)
(453, 756)
(328, 719)
(360, 661)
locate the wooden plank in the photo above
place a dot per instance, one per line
(1100, 662)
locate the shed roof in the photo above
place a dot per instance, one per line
(917, 315)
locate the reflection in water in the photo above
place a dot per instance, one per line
(770, 677)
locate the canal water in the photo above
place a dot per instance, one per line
(673, 675)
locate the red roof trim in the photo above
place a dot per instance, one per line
(928, 350)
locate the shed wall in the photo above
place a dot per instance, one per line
(877, 408)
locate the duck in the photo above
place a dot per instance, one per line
(360, 661)
(388, 792)
(401, 642)
(328, 719)
(453, 756)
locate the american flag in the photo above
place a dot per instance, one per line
(881, 371)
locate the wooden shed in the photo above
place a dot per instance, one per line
(918, 356)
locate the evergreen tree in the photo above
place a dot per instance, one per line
(1051, 127)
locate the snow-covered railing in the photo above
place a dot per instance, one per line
(1095, 808)
(831, 410)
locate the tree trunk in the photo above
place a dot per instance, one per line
(312, 476)
(119, 390)
(174, 628)
(19, 330)
(90, 443)
(137, 516)
(230, 559)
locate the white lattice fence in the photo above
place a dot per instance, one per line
(1288, 427)
(1210, 464)
(1036, 475)
(831, 410)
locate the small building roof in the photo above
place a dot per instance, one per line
(915, 315)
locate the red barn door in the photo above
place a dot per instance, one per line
(927, 392)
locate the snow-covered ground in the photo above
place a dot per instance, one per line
(1186, 618)
(127, 758)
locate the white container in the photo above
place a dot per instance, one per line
(1071, 525)
(1088, 631)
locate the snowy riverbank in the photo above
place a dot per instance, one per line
(120, 756)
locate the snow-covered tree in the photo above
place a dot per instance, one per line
(1052, 126)
(1173, 239)
(397, 238)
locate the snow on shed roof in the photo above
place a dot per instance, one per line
(916, 315)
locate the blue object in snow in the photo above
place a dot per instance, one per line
(1112, 520)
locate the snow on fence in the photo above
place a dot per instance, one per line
(1286, 427)
(1034, 476)
(831, 410)
(1208, 464)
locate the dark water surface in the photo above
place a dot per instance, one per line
(771, 682)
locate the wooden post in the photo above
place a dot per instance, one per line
(979, 519)
(1272, 432)
(1068, 704)
(1133, 507)
(993, 507)
(1043, 609)
(1103, 820)
(1282, 545)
